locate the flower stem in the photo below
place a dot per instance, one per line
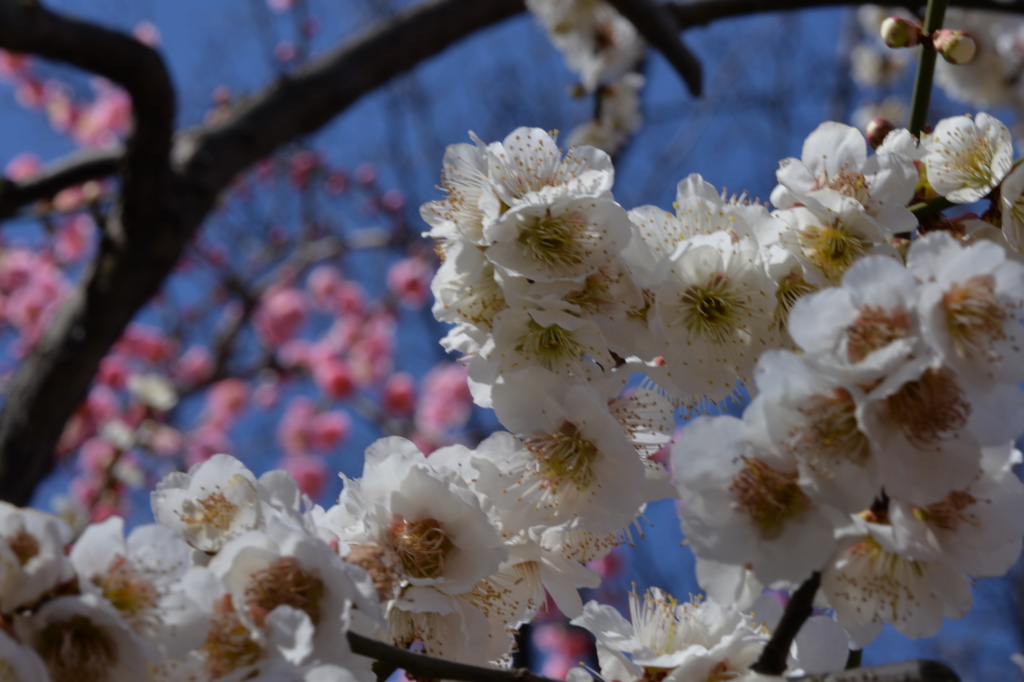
(926, 208)
(925, 68)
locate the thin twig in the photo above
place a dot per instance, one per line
(925, 68)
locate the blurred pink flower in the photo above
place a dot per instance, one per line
(281, 313)
(74, 238)
(329, 429)
(309, 472)
(409, 280)
(334, 378)
(23, 166)
(399, 394)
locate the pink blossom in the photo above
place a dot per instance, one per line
(194, 365)
(445, 401)
(29, 93)
(351, 298)
(16, 266)
(205, 442)
(393, 200)
(69, 199)
(409, 280)
(303, 163)
(333, 378)
(102, 404)
(281, 5)
(281, 313)
(226, 400)
(146, 33)
(336, 183)
(285, 51)
(96, 455)
(60, 106)
(114, 371)
(309, 472)
(399, 394)
(265, 395)
(106, 118)
(23, 166)
(294, 431)
(166, 441)
(324, 286)
(13, 66)
(145, 342)
(365, 174)
(295, 353)
(329, 429)
(310, 26)
(74, 237)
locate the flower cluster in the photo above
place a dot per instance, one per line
(235, 581)
(878, 450)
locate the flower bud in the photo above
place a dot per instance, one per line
(956, 47)
(876, 131)
(898, 32)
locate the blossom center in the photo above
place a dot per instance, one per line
(373, 558)
(77, 649)
(930, 409)
(970, 160)
(215, 509)
(24, 545)
(229, 645)
(849, 183)
(833, 249)
(550, 346)
(129, 593)
(554, 240)
(422, 546)
(874, 329)
(768, 497)
(710, 311)
(832, 436)
(565, 456)
(974, 316)
(285, 583)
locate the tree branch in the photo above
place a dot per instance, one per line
(73, 170)
(133, 258)
(799, 609)
(656, 23)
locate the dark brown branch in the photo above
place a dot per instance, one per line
(426, 667)
(656, 23)
(799, 609)
(74, 170)
(134, 257)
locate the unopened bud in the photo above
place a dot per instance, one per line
(899, 32)
(876, 131)
(956, 47)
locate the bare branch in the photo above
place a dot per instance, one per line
(656, 23)
(798, 610)
(134, 255)
(73, 170)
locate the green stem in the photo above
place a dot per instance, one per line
(925, 68)
(926, 208)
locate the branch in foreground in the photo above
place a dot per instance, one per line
(421, 666)
(799, 609)
(655, 22)
(73, 170)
